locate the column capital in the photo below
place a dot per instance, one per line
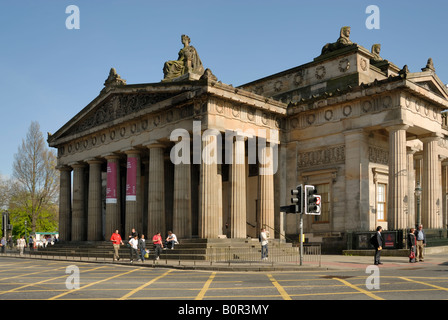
(64, 167)
(430, 137)
(78, 164)
(94, 161)
(131, 151)
(111, 156)
(154, 144)
(397, 127)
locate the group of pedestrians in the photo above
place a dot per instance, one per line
(416, 241)
(137, 245)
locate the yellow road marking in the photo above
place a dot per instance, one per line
(368, 293)
(144, 286)
(92, 284)
(204, 289)
(280, 289)
(40, 282)
(426, 284)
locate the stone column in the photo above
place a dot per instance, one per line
(398, 180)
(209, 189)
(444, 193)
(156, 190)
(411, 216)
(238, 190)
(266, 188)
(94, 203)
(65, 200)
(182, 201)
(78, 214)
(133, 217)
(431, 213)
(113, 207)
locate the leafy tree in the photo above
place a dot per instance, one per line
(35, 190)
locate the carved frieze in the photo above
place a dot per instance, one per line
(378, 155)
(332, 155)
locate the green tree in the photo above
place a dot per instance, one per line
(35, 188)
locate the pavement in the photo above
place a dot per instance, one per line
(325, 262)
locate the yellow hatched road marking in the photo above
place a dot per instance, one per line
(144, 286)
(426, 284)
(368, 293)
(92, 284)
(204, 289)
(40, 282)
(280, 289)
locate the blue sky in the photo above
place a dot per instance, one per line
(48, 73)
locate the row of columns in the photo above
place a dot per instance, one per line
(74, 201)
(399, 189)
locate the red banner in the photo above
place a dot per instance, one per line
(111, 189)
(131, 179)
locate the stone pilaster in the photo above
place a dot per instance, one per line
(182, 201)
(156, 191)
(113, 207)
(133, 217)
(266, 188)
(94, 208)
(65, 200)
(79, 214)
(209, 189)
(398, 180)
(444, 193)
(431, 201)
(238, 190)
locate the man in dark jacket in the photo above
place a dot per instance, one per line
(378, 244)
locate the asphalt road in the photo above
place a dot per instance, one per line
(340, 278)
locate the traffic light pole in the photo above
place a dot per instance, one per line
(301, 238)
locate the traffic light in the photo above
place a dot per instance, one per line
(312, 201)
(297, 198)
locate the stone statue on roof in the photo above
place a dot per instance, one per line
(188, 61)
(429, 66)
(376, 49)
(343, 41)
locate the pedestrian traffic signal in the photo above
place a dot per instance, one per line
(312, 201)
(297, 198)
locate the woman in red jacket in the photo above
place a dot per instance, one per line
(158, 245)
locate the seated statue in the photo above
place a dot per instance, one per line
(343, 41)
(187, 62)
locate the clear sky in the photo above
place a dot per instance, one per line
(48, 73)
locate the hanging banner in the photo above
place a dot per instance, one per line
(111, 189)
(131, 179)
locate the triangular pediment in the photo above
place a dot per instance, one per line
(430, 81)
(116, 106)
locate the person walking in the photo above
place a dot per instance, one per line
(412, 246)
(421, 242)
(21, 244)
(116, 242)
(378, 244)
(264, 236)
(158, 245)
(142, 247)
(3, 244)
(134, 248)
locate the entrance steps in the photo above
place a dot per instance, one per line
(187, 249)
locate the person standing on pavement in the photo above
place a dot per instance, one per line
(142, 247)
(378, 244)
(116, 241)
(412, 246)
(421, 243)
(264, 236)
(158, 245)
(3, 244)
(21, 243)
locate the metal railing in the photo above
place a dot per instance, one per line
(276, 254)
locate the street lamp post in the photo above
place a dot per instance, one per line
(418, 193)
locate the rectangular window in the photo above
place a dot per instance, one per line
(382, 203)
(324, 191)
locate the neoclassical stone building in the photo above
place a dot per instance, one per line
(364, 131)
